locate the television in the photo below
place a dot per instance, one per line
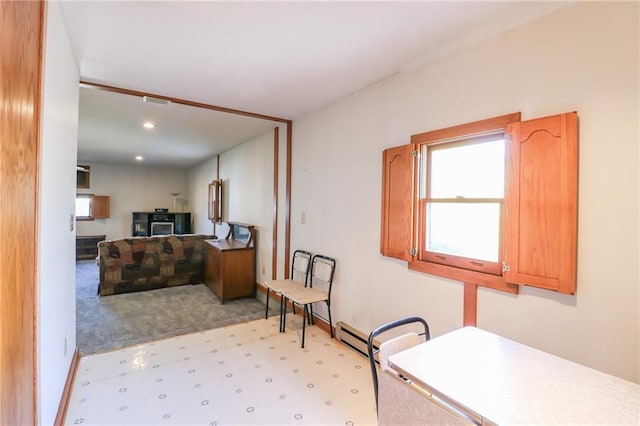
(161, 228)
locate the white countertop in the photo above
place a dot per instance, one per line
(509, 383)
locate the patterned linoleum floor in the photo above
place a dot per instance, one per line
(243, 374)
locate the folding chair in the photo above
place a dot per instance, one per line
(300, 267)
(322, 269)
(392, 346)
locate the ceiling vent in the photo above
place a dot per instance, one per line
(157, 101)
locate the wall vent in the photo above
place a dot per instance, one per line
(152, 100)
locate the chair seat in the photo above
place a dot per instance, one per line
(305, 295)
(280, 286)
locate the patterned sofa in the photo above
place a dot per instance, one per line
(147, 263)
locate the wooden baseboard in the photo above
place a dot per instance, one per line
(66, 393)
(321, 323)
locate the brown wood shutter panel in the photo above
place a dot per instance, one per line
(397, 200)
(100, 207)
(541, 203)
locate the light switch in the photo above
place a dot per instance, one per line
(303, 218)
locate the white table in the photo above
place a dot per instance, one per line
(496, 380)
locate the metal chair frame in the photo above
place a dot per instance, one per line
(372, 352)
(307, 314)
(296, 253)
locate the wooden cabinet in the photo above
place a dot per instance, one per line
(87, 246)
(100, 207)
(230, 271)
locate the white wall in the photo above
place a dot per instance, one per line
(582, 58)
(247, 181)
(56, 252)
(247, 175)
(132, 188)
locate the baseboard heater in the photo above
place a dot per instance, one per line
(354, 338)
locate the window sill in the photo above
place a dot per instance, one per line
(486, 280)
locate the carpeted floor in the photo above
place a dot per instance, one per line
(113, 322)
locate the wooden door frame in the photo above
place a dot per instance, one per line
(22, 28)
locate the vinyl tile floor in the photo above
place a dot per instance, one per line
(242, 374)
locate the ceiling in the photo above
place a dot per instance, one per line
(282, 59)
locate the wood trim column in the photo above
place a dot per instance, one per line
(274, 244)
(220, 194)
(287, 225)
(22, 41)
(470, 305)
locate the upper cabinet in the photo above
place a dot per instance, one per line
(83, 176)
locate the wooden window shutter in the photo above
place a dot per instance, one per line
(541, 203)
(397, 201)
(100, 207)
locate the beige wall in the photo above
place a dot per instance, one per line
(132, 188)
(582, 58)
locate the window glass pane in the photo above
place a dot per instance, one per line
(471, 171)
(464, 229)
(83, 206)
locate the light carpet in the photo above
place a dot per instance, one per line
(113, 322)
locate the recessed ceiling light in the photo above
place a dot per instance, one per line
(148, 125)
(139, 158)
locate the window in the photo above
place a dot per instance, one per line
(83, 207)
(462, 194)
(492, 203)
(90, 207)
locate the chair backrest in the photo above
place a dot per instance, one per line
(392, 346)
(301, 265)
(322, 269)
(395, 345)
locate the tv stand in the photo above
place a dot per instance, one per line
(146, 224)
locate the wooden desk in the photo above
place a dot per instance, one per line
(493, 379)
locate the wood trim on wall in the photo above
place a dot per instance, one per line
(220, 197)
(287, 207)
(123, 91)
(467, 129)
(470, 305)
(68, 386)
(274, 243)
(21, 60)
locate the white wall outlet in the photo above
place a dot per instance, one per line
(72, 222)
(303, 218)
